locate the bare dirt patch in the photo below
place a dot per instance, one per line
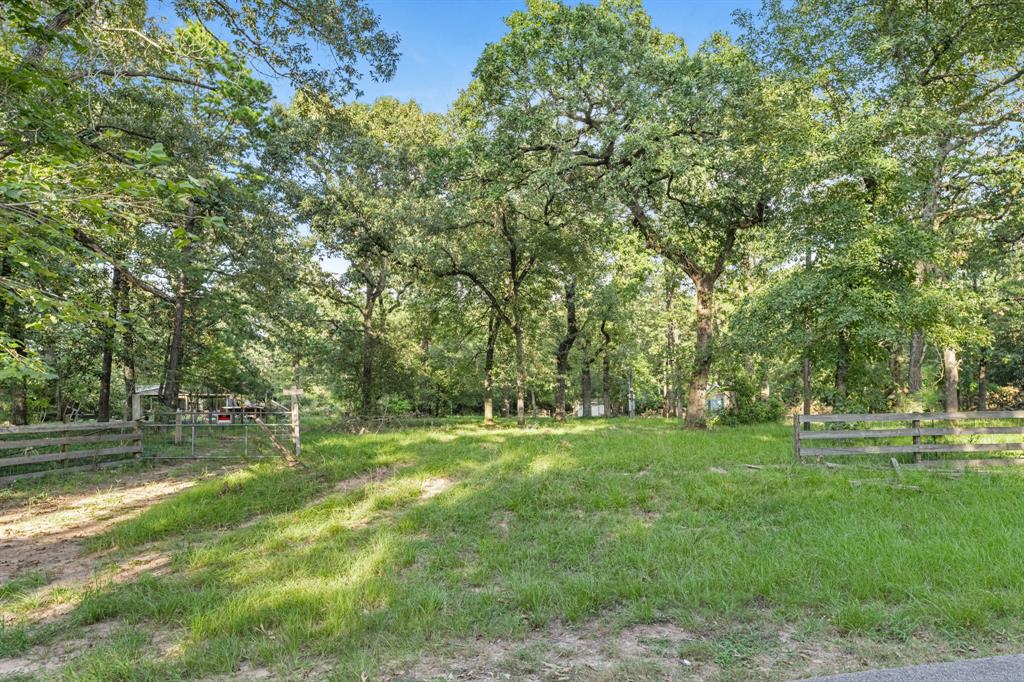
(52, 656)
(666, 651)
(435, 486)
(375, 476)
(246, 671)
(47, 535)
(558, 652)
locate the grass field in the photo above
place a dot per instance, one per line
(608, 549)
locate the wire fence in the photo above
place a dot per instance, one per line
(238, 434)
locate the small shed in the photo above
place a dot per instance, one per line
(596, 409)
(717, 399)
(188, 400)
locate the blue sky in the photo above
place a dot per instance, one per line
(441, 39)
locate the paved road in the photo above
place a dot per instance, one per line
(995, 669)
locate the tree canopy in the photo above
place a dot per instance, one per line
(821, 211)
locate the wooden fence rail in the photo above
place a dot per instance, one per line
(33, 451)
(803, 431)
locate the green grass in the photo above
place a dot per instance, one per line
(18, 586)
(613, 521)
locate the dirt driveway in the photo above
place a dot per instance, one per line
(44, 562)
(45, 533)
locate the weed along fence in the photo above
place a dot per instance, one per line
(909, 436)
(40, 449)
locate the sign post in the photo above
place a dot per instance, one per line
(295, 392)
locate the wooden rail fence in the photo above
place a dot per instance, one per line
(41, 449)
(803, 431)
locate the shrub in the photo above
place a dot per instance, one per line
(755, 411)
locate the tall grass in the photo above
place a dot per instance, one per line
(459, 532)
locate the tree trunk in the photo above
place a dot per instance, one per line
(564, 346)
(983, 383)
(842, 369)
(805, 369)
(915, 359)
(669, 391)
(895, 374)
(915, 362)
(585, 393)
(127, 345)
(668, 405)
(585, 383)
(171, 386)
(606, 369)
(806, 372)
(19, 402)
(55, 26)
(696, 399)
(951, 379)
(630, 396)
(366, 402)
(107, 363)
(57, 388)
(11, 322)
(172, 368)
(929, 218)
(520, 374)
(492, 339)
(19, 385)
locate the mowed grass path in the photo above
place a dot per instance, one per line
(459, 532)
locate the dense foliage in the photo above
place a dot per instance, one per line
(821, 213)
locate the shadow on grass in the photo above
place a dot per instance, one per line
(490, 533)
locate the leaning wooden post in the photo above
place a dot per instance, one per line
(295, 392)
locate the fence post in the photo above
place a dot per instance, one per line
(295, 426)
(295, 392)
(916, 424)
(137, 437)
(193, 435)
(796, 437)
(177, 426)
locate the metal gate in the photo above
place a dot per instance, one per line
(243, 433)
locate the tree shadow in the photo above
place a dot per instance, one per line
(477, 533)
(277, 559)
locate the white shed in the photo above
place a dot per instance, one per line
(596, 409)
